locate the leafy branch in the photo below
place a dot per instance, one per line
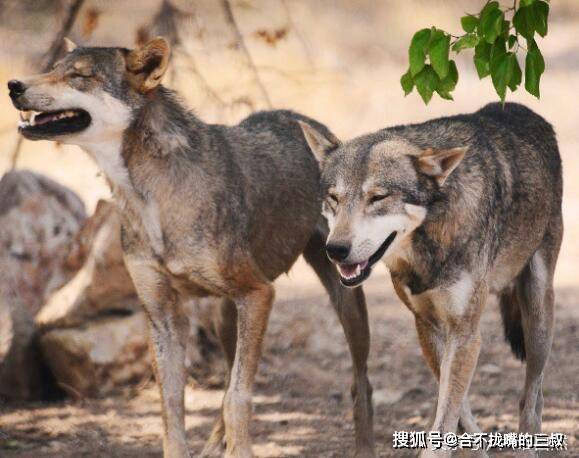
(496, 41)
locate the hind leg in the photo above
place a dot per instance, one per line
(536, 300)
(350, 306)
(226, 329)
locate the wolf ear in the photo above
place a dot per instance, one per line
(319, 143)
(69, 45)
(439, 163)
(147, 64)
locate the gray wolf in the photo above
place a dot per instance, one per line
(206, 210)
(457, 208)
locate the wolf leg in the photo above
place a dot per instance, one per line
(460, 350)
(536, 299)
(350, 306)
(253, 309)
(226, 329)
(432, 343)
(168, 329)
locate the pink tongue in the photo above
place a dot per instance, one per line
(43, 119)
(350, 269)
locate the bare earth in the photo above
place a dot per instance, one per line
(341, 64)
(302, 401)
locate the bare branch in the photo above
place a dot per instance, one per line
(240, 44)
(56, 46)
(300, 37)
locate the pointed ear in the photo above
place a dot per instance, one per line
(319, 143)
(69, 45)
(147, 64)
(439, 163)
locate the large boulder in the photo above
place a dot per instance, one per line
(102, 285)
(39, 220)
(101, 299)
(100, 357)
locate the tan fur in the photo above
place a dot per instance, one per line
(153, 54)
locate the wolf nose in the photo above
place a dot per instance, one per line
(337, 252)
(16, 88)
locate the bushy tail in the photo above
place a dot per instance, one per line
(511, 315)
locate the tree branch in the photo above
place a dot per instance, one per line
(240, 44)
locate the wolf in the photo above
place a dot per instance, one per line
(206, 210)
(457, 208)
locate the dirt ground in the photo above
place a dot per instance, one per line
(340, 63)
(302, 401)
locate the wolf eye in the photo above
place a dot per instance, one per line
(79, 75)
(377, 198)
(332, 201)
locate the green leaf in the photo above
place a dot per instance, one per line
(534, 68)
(417, 51)
(524, 21)
(482, 58)
(527, 2)
(447, 85)
(505, 29)
(469, 40)
(541, 17)
(426, 83)
(438, 51)
(517, 75)
(407, 82)
(497, 49)
(469, 23)
(492, 24)
(501, 71)
(512, 41)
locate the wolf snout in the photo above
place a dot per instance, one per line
(16, 88)
(338, 251)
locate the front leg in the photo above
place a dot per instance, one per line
(460, 350)
(168, 330)
(253, 310)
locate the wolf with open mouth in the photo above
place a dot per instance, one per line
(206, 209)
(457, 208)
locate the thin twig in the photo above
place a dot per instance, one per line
(240, 44)
(51, 56)
(58, 42)
(300, 37)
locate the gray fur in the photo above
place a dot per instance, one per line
(493, 224)
(206, 209)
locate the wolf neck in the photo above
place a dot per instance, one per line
(107, 155)
(161, 127)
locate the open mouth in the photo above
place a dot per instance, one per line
(37, 125)
(354, 274)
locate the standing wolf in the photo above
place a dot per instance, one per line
(206, 210)
(457, 208)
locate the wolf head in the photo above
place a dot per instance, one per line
(377, 193)
(89, 95)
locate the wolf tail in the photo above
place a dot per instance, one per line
(512, 324)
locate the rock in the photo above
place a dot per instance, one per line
(490, 369)
(39, 220)
(102, 284)
(103, 289)
(96, 359)
(387, 397)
